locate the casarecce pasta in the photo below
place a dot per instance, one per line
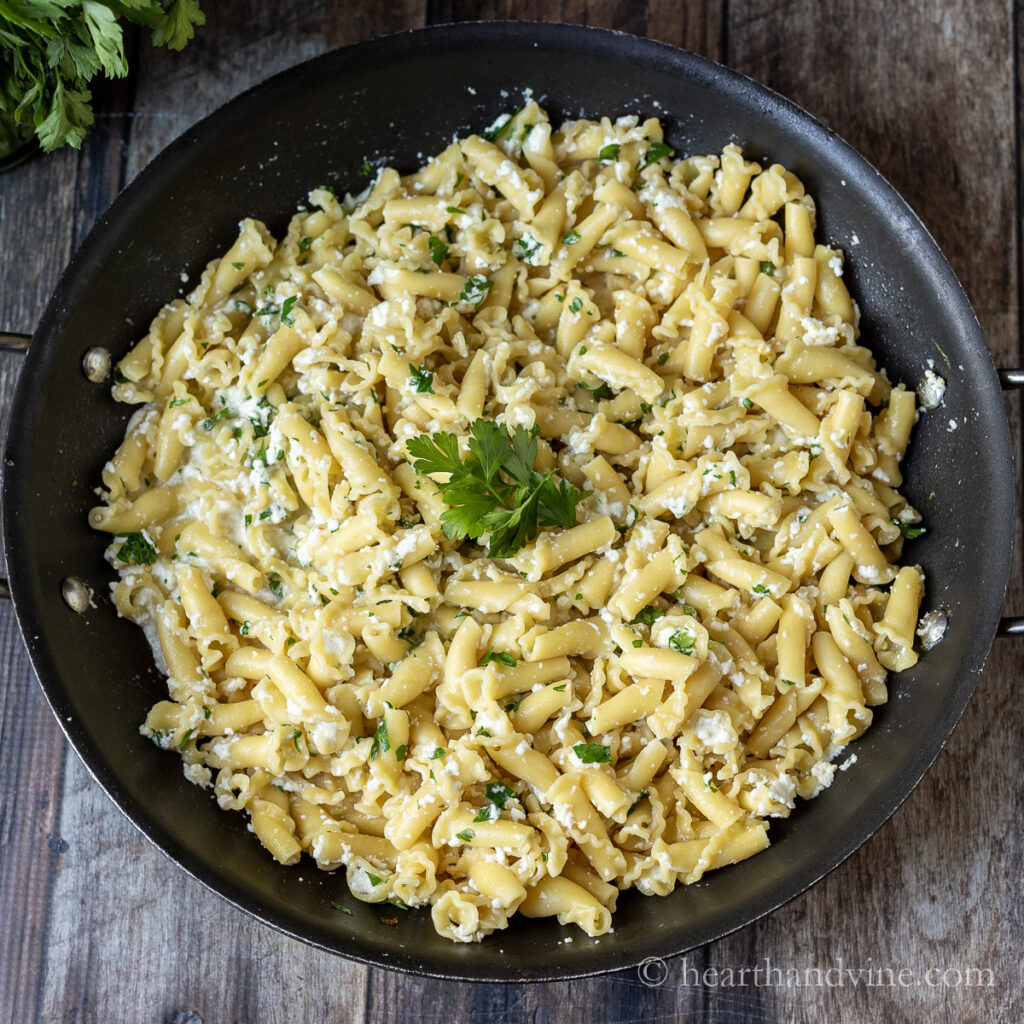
(624, 702)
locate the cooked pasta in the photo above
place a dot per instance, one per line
(621, 701)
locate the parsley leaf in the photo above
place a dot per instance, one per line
(422, 380)
(610, 152)
(286, 310)
(50, 50)
(381, 743)
(498, 794)
(646, 616)
(654, 153)
(475, 291)
(593, 753)
(682, 642)
(438, 250)
(911, 532)
(526, 248)
(138, 549)
(496, 490)
(500, 656)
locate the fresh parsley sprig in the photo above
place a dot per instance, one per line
(496, 490)
(51, 49)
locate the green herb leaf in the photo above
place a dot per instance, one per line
(286, 310)
(682, 642)
(610, 152)
(338, 906)
(911, 532)
(767, 268)
(496, 490)
(274, 582)
(640, 798)
(574, 307)
(571, 237)
(493, 134)
(438, 250)
(422, 379)
(593, 753)
(760, 588)
(465, 835)
(138, 549)
(439, 752)
(500, 656)
(526, 248)
(655, 152)
(305, 242)
(646, 616)
(381, 743)
(475, 291)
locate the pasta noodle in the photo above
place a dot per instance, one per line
(624, 702)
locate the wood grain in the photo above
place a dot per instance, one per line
(99, 927)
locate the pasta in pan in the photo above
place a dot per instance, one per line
(693, 597)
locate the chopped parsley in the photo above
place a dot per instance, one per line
(767, 268)
(498, 794)
(138, 549)
(422, 379)
(655, 152)
(304, 243)
(381, 743)
(526, 248)
(500, 656)
(465, 835)
(438, 250)
(911, 532)
(640, 798)
(574, 307)
(493, 134)
(286, 310)
(593, 753)
(571, 237)
(646, 616)
(610, 152)
(682, 642)
(475, 290)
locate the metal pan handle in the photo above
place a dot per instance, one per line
(17, 343)
(1011, 625)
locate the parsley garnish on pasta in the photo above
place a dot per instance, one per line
(495, 490)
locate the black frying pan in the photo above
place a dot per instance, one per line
(393, 100)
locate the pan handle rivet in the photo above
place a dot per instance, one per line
(77, 594)
(96, 364)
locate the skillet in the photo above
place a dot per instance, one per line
(392, 101)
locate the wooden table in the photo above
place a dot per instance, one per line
(97, 926)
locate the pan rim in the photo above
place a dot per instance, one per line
(402, 46)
